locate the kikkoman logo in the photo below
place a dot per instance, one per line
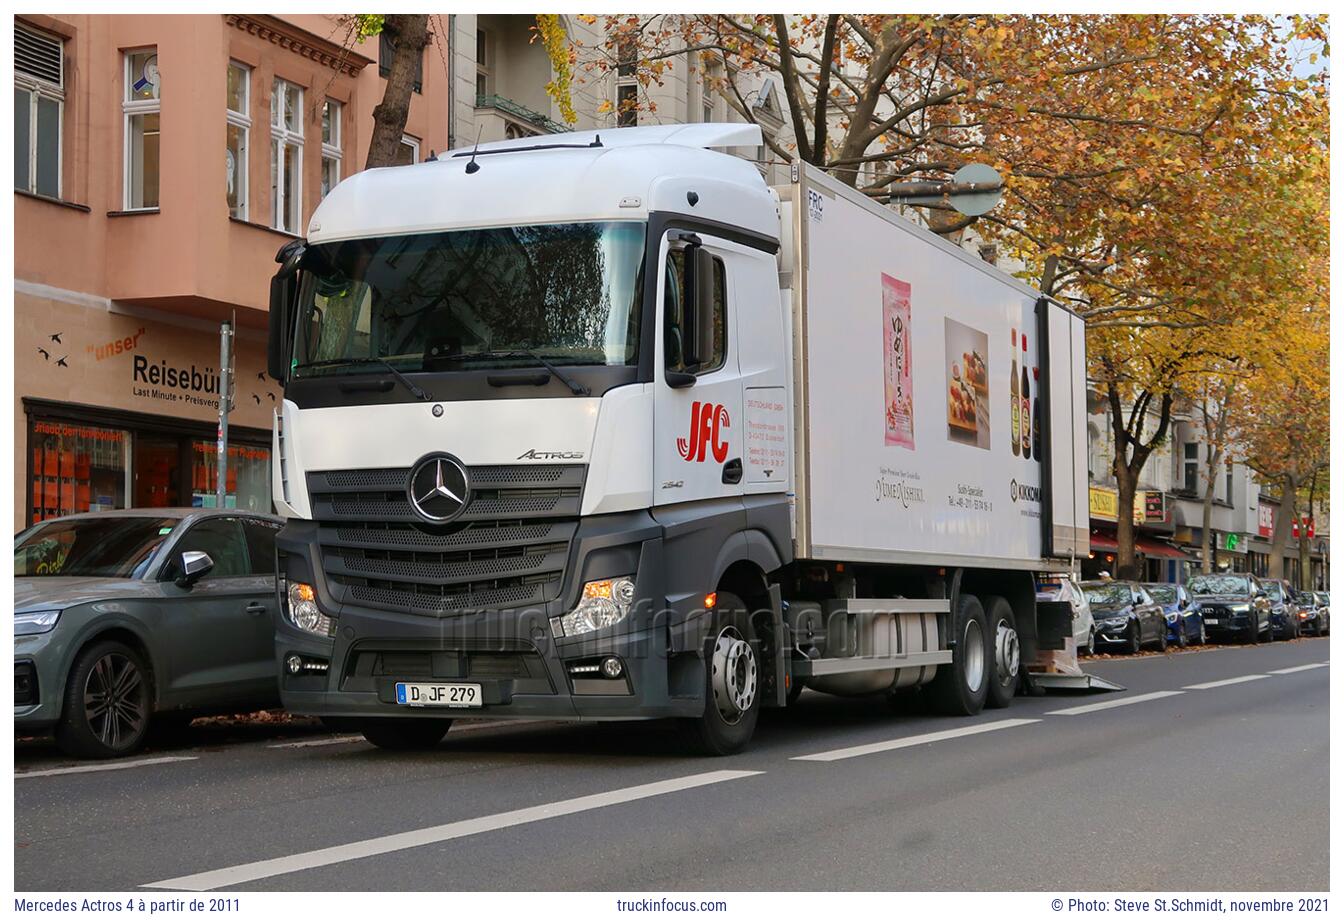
(1025, 492)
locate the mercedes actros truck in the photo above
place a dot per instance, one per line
(601, 426)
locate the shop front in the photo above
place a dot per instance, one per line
(120, 411)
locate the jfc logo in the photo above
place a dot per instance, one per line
(708, 420)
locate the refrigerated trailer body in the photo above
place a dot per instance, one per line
(601, 427)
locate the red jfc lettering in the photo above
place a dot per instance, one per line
(708, 421)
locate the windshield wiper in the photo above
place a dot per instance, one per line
(575, 387)
(416, 390)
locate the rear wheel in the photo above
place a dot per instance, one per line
(732, 684)
(1006, 654)
(1091, 648)
(405, 734)
(960, 688)
(107, 702)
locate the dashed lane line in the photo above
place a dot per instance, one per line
(913, 740)
(1113, 704)
(101, 767)
(376, 846)
(1227, 682)
(1302, 667)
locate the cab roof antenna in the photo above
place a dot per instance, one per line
(472, 165)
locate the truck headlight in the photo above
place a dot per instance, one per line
(603, 603)
(303, 610)
(36, 622)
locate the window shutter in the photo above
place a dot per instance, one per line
(38, 55)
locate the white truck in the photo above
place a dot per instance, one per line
(599, 426)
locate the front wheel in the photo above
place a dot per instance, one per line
(1006, 654)
(960, 687)
(1135, 638)
(1203, 634)
(1162, 637)
(732, 684)
(405, 734)
(1182, 639)
(107, 703)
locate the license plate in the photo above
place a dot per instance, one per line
(457, 696)
(1210, 622)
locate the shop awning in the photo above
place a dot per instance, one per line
(1157, 549)
(1105, 542)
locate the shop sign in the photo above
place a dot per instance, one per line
(1266, 520)
(1232, 542)
(1150, 507)
(1103, 503)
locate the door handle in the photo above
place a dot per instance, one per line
(256, 609)
(732, 471)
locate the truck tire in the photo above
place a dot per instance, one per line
(732, 684)
(1005, 653)
(108, 702)
(959, 688)
(405, 734)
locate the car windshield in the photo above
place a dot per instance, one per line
(1163, 594)
(472, 299)
(102, 547)
(1107, 595)
(1323, 598)
(1220, 584)
(1274, 590)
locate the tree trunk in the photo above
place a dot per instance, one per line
(1207, 551)
(408, 34)
(1126, 484)
(1304, 579)
(1283, 523)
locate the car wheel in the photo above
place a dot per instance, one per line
(405, 734)
(1182, 640)
(960, 688)
(1091, 648)
(1162, 636)
(1005, 653)
(1254, 637)
(1203, 634)
(732, 684)
(1135, 637)
(107, 702)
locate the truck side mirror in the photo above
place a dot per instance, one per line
(698, 304)
(284, 293)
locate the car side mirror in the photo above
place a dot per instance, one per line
(699, 305)
(1262, 593)
(193, 566)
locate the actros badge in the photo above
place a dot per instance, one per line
(439, 488)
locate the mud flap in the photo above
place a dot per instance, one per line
(1080, 682)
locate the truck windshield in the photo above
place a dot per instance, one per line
(472, 299)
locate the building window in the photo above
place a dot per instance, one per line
(1227, 494)
(39, 103)
(237, 123)
(386, 48)
(140, 109)
(483, 75)
(1192, 467)
(408, 153)
(78, 468)
(708, 101)
(331, 145)
(247, 482)
(286, 155)
(627, 90)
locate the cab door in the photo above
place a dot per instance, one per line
(698, 421)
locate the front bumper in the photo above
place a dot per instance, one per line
(522, 669)
(1113, 635)
(1230, 624)
(37, 681)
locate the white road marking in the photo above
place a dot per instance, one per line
(319, 742)
(1112, 704)
(376, 846)
(1302, 667)
(100, 767)
(913, 741)
(1245, 678)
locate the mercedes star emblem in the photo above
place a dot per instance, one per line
(439, 488)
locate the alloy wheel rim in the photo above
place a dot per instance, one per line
(112, 700)
(1007, 651)
(974, 643)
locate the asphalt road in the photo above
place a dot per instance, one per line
(1210, 772)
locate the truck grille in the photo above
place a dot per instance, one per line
(507, 549)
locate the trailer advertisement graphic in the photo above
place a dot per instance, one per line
(900, 397)
(708, 421)
(967, 384)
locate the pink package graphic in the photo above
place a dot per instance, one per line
(900, 396)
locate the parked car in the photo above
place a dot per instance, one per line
(1232, 604)
(1282, 608)
(1126, 616)
(1084, 627)
(1313, 612)
(1184, 622)
(120, 616)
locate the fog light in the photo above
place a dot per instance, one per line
(294, 663)
(612, 668)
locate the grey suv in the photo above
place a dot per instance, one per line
(122, 615)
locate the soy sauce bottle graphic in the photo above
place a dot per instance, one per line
(1025, 394)
(1036, 415)
(1016, 433)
